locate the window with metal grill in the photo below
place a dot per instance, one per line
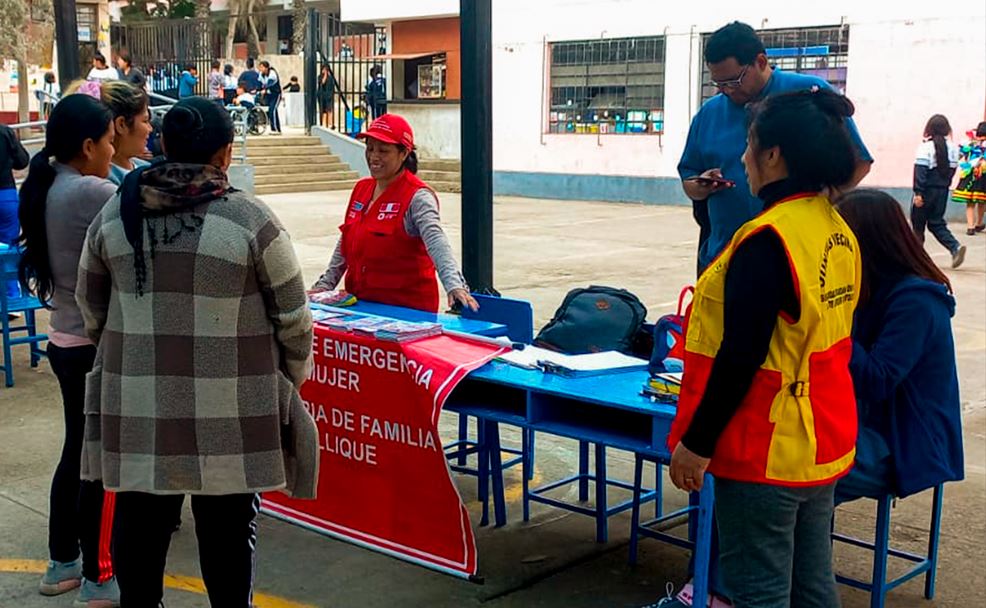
(607, 86)
(819, 51)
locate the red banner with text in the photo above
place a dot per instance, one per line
(384, 482)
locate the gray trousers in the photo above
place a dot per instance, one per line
(775, 546)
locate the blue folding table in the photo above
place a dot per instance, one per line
(606, 410)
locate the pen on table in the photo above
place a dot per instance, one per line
(483, 339)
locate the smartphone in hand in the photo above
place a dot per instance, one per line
(714, 182)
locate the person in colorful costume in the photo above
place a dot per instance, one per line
(392, 238)
(972, 180)
(767, 403)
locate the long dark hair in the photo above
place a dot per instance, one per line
(73, 120)
(810, 129)
(938, 129)
(889, 249)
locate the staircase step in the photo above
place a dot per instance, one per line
(306, 187)
(437, 164)
(301, 168)
(439, 176)
(305, 178)
(312, 160)
(446, 186)
(276, 151)
(275, 141)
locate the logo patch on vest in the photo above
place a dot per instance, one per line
(388, 211)
(839, 294)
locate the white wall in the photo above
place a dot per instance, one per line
(906, 62)
(901, 73)
(394, 10)
(904, 65)
(436, 128)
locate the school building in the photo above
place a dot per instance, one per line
(592, 99)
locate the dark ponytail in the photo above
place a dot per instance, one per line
(938, 129)
(73, 120)
(194, 129)
(810, 129)
(411, 162)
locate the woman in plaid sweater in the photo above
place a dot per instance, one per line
(194, 295)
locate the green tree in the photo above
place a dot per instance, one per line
(14, 19)
(299, 16)
(139, 10)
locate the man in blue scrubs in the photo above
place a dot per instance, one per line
(740, 70)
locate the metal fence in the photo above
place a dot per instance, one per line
(349, 51)
(163, 48)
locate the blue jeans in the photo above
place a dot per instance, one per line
(775, 549)
(10, 229)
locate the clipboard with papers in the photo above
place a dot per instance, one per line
(592, 364)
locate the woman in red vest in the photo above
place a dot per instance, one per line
(392, 238)
(767, 404)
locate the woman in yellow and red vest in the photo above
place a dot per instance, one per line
(392, 237)
(767, 403)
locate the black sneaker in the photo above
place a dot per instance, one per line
(971, 231)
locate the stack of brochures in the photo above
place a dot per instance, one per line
(663, 386)
(322, 317)
(337, 297)
(593, 364)
(405, 331)
(382, 328)
(368, 326)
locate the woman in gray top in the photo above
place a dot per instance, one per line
(58, 201)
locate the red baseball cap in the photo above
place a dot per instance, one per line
(390, 129)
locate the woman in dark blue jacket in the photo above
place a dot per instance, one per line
(903, 362)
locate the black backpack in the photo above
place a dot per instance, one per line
(595, 319)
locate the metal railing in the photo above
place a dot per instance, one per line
(239, 116)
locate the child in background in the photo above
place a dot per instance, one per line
(972, 180)
(934, 166)
(244, 98)
(229, 84)
(216, 82)
(293, 85)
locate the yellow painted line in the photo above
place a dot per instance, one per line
(171, 581)
(515, 491)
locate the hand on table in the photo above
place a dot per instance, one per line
(687, 469)
(463, 297)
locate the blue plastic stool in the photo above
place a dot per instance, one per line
(878, 586)
(26, 305)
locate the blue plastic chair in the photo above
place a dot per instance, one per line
(878, 586)
(518, 317)
(25, 305)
